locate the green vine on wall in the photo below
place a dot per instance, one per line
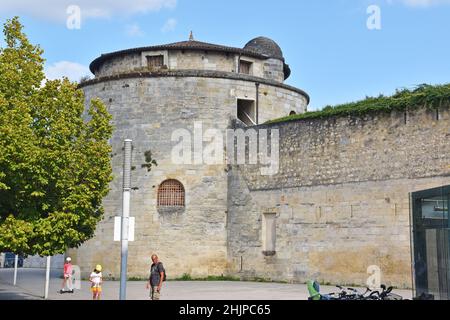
(431, 97)
(149, 161)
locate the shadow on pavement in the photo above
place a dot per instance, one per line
(6, 294)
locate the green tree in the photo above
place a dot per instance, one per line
(55, 160)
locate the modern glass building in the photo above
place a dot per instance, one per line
(430, 236)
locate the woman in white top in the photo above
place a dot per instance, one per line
(96, 282)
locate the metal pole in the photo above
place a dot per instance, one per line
(125, 216)
(47, 278)
(16, 262)
(257, 103)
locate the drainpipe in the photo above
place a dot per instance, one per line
(257, 102)
(239, 63)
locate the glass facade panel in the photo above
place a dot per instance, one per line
(430, 229)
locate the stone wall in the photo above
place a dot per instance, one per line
(275, 99)
(341, 197)
(273, 69)
(198, 60)
(148, 110)
(120, 64)
(270, 69)
(376, 147)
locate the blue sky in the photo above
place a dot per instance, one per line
(333, 55)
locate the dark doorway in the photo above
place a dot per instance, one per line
(430, 228)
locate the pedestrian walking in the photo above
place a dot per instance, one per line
(96, 282)
(156, 278)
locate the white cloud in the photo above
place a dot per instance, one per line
(420, 3)
(133, 30)
(169, 25)
(72, 70)
(56, 10)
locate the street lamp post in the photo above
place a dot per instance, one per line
(125, 217)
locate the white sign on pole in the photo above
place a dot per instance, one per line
(118, 228)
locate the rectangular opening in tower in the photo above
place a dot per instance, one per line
(246, 111)
(269, 230)
(155, 62)
(245, 67)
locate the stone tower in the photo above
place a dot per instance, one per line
(180, 210)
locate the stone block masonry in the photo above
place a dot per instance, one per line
(341, 197)
(338, 204)
(148, 110)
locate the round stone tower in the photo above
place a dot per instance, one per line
(180, 209)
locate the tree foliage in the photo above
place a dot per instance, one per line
(55, 163)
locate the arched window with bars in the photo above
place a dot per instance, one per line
(171, 194)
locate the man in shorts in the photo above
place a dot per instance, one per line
(156, 278)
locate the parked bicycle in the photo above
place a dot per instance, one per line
(356, 295)
(351, 293)
(386, 294)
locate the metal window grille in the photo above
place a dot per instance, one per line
(171, 194)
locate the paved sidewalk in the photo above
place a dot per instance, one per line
(30, 285)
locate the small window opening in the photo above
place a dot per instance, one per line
(246, 112)
(155, 62)
(245, 67)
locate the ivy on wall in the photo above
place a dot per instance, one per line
(432, 97)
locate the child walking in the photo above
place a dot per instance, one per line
(96, 282)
